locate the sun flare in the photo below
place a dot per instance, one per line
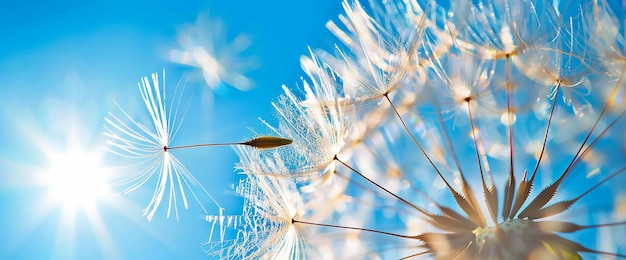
(75, 179)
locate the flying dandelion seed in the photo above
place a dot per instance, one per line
(218, 62)
(511, 109)
(149, 146)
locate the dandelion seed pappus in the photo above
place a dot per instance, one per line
(148, 147)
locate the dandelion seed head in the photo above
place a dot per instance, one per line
(487, 134)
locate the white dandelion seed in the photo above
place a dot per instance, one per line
(381, 54)
(148, 144)
(270, 205)
(322, 118)
(218, 61)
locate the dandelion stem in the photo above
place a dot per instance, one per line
(353, 228)
(600, 183)
(602, 252)
(491, 197)
(446, 134)
(562, 206)
(534, 208)
(546, 195)
(165, 148)
(593, 143)
(406, 128)
(603, 225)
(414, 255)
(399, 172)
(466, 202)
(509, 190)
(524, 187)
(373, 191)
(578, 154)
(383, 188)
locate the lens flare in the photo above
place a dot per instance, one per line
(75, 179)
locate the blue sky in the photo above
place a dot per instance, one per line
(62, 67)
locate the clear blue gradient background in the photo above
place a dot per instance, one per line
(63, 64)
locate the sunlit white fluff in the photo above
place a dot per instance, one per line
(270, 205)
(147, 146)
(205, 46)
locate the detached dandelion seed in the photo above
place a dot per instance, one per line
(218, 61)
(149, 146)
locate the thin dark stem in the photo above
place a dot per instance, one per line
(383, 162)
(596, 140)
(358, 185)
(510, 189)
(604, 225)
(383, 188)
(471, 119)
(406, 128)
(165, 148)
(604, 253)
(535, 207)
(445, 132)
(410, 183)
(400, 173)
(353, 228)
(577, 156)
(545, 136)
(490, 197)
(372, 190)
(414, 255)
(525, 187)
(600, 183)
(467, 201)
(562, 206)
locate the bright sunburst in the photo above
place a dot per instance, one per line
(70, 184)
(75, 179)
(77, 184)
